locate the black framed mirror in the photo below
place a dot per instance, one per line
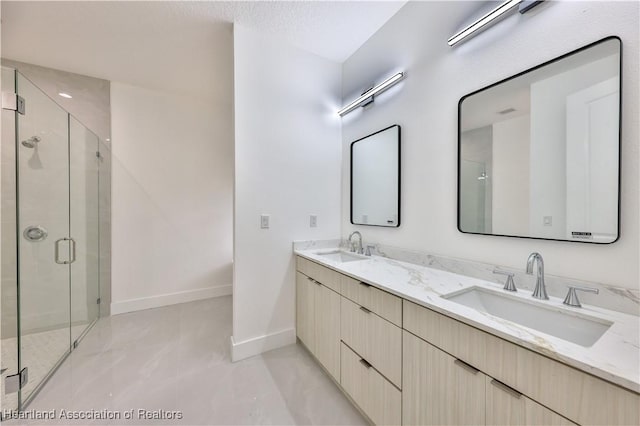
(539, 152)
(375, 178)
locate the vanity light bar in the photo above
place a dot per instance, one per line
(372, 92)
(483, 22)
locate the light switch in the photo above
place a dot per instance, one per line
(313, 221)
(264, 221)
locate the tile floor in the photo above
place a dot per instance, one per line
(177, 358)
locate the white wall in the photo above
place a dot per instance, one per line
(425, 104)
(287, 165)
(510, 180)
(172, 159)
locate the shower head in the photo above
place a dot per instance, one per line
(31, 142)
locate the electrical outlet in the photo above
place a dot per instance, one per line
(313, 221)
(264, 221)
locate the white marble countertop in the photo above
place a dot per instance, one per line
(614, 357)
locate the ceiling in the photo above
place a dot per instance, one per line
(178, 45)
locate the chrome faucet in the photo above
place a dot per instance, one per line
(509, 285)
(572, 298)
(540, 292)
(352, 246)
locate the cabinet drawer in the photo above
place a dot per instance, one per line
(374, 338)
(578, 396)
(323, 275)
(376, 396)
(382, 303)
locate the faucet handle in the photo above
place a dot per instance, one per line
(369, 247)
(572, 298)
(509, 285)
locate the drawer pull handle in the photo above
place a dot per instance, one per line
(506, 388)
(365, 363)
(365, 310)
(466, 366)
(365, 284)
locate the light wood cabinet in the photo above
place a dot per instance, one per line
(537, 415)
(438, 389)
(382, 303)
(441, 390)
(305, 311)
(326, 276)
(318, 321)
(374, 338)
(327, 329)
(506, 406)
(580, 397)
(402, 362)
(375, 395)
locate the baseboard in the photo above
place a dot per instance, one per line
(258, 345)
(142, 303)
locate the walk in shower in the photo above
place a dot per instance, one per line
(50, 236)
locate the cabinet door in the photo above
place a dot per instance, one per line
(506, 406)
(438, 389)
(305, 311)
(327, 329)
(538, 415)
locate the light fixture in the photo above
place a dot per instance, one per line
(65, 95)
(484, 22)
(369, 94)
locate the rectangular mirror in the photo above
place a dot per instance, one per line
(375, 179)
(539, 152)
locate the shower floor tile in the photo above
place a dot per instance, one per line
(41, 351)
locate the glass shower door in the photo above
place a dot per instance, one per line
(84, 227)
(45, 250)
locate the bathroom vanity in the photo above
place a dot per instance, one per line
(413, 345)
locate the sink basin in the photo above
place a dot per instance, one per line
(340, 256)
(571, 326)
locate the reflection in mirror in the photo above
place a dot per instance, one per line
(375, 179)
(539, 152)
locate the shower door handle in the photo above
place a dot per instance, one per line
(57, 252)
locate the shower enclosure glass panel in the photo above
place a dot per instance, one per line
(44, 247)
(85, 221)
(50, 237)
